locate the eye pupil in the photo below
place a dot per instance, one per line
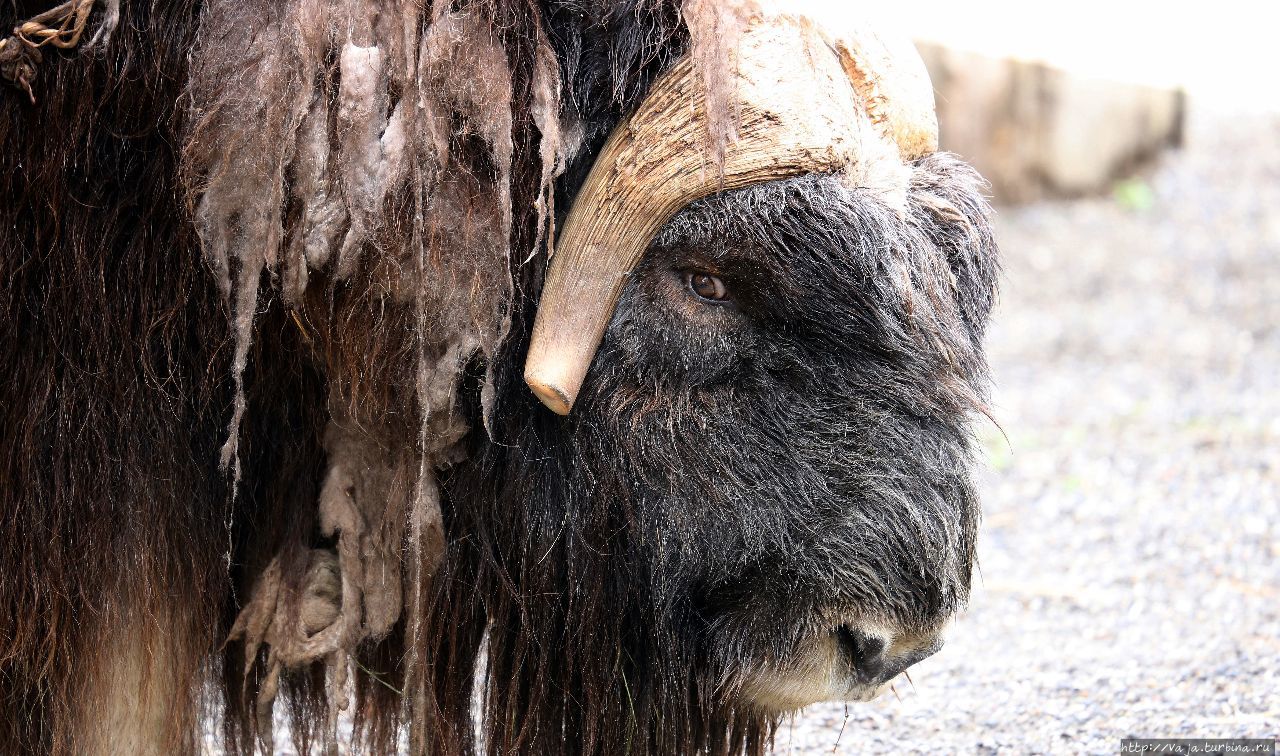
(706, 286)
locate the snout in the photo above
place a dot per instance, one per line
(875, 658)
(851, 662)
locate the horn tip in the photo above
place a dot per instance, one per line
(556, 398)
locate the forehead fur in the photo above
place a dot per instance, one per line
(850, 269)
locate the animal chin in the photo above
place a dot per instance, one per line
(849, 663)
(780, 693)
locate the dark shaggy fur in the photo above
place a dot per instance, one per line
(115, 361)
(735, 479)
(267, 272)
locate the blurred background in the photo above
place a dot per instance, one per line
(1129, 565)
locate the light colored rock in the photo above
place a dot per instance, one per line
(1035, 131)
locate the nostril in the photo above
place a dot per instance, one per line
(874, 658)
(866, 652)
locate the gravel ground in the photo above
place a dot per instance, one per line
(1130, 556)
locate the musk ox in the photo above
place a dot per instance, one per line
(277, 281)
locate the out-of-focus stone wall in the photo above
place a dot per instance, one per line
(1036, 132)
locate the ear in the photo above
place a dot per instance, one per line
(948, 201)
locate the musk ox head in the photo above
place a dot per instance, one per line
(787, 379)
(742, 485)
(758, 495)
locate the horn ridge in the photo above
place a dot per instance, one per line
(800, 110)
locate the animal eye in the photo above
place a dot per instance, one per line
(705, 286)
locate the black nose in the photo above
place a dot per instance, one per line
(875, 660)
(866, 652)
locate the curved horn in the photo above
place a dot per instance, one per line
(807, 101)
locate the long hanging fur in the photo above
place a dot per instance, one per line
(248, 250)
(266, 270)
(113, 348)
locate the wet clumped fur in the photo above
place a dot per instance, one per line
(268, 272)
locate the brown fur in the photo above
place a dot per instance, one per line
(250, 251)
